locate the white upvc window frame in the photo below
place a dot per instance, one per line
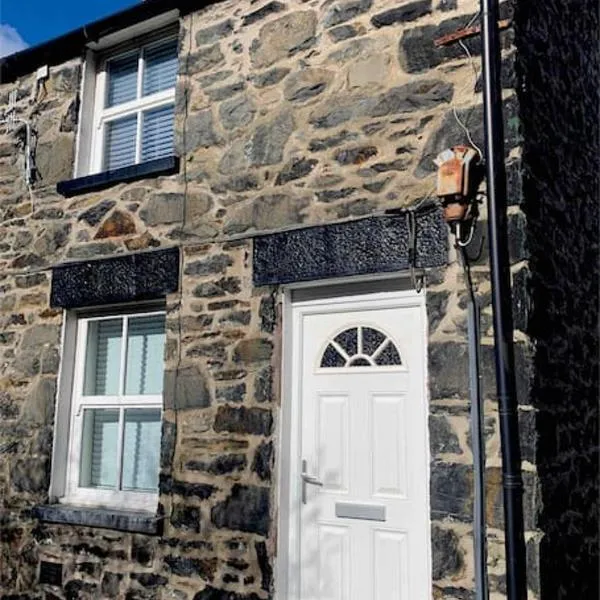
(74, 494)
(104, 115)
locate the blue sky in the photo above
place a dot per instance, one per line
(29, 22)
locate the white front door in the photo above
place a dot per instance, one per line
(359, 510)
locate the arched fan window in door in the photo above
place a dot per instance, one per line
(360, 346)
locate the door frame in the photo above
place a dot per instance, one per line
(298, 300)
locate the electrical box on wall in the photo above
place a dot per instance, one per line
(457, 181)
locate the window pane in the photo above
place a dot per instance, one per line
(157, 133)
(120, 145)
(98, 468)
(103, 358)
(141, 449)
(160, 68)
(122, 80)
(145, 349)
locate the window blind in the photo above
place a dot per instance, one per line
(145, 344)
(120, 149)
(157, 133)
(160, 70)
(99, 458)
(141, 449)
(122, 79)
(103, 358)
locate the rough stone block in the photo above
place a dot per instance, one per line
(185, 388)
(402, 14)
(451, 487)
(246, 509)
(254, 421)
(283, 37)
(446, 555)
(345, 11)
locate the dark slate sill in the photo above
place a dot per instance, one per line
(121, 520)
(92, 183)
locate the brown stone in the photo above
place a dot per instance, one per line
(117, 224)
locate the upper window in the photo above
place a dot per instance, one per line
(134, 106)
(116, 409)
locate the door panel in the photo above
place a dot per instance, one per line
(363, 517)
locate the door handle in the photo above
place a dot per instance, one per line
(308, 479)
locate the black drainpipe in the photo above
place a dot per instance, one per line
(516, 584)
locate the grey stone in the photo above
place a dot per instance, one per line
(270, 77)
(211, 593)
(437, 303)
(184, 489)
(234, 393)
(215, 33)
(376, 186)
(208, 57)
(246, 509)
(39, 405)
(345, 11)
(419, 54)
(198, 133)
(296, 169)
(306, 84)
(186, 517)
(209, 266)
(68, 122)
(31, 475)
(521, 298)
(332, 141)
(168, 442)
(212, 78)
(402, 14)
(332, 195)
(416, 95)
(253, 421)
(283, 37)
(265, 565)
(262, 464)
(54, 160)
(269, 139)
(355, 156)
(264, 11)
(451, 487)
(24, 261)
(447, 558)
(343, 32)
(164, 208)
(227, 91)
(185, 566)
(185, 388)
(235, 159)
(222, 287)
(111, 584)
(355, 208)
(238, 183)
(267, 213)
(221, 465)
(268, 314)
(263, 386)
(236, 112)
(39, 335)
(442, 438)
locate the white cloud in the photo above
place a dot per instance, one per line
(10, 40)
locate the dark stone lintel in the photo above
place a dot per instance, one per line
(133, 277)
(92, 183)
(138, 522)
(365, 246)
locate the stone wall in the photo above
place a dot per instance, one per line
(287, 115)
(562, 212)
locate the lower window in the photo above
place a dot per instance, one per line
(115, 411)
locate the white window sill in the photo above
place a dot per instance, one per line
(120, 520)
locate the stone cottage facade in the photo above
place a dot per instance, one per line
(303, 131)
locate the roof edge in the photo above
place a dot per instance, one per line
(73, 43)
